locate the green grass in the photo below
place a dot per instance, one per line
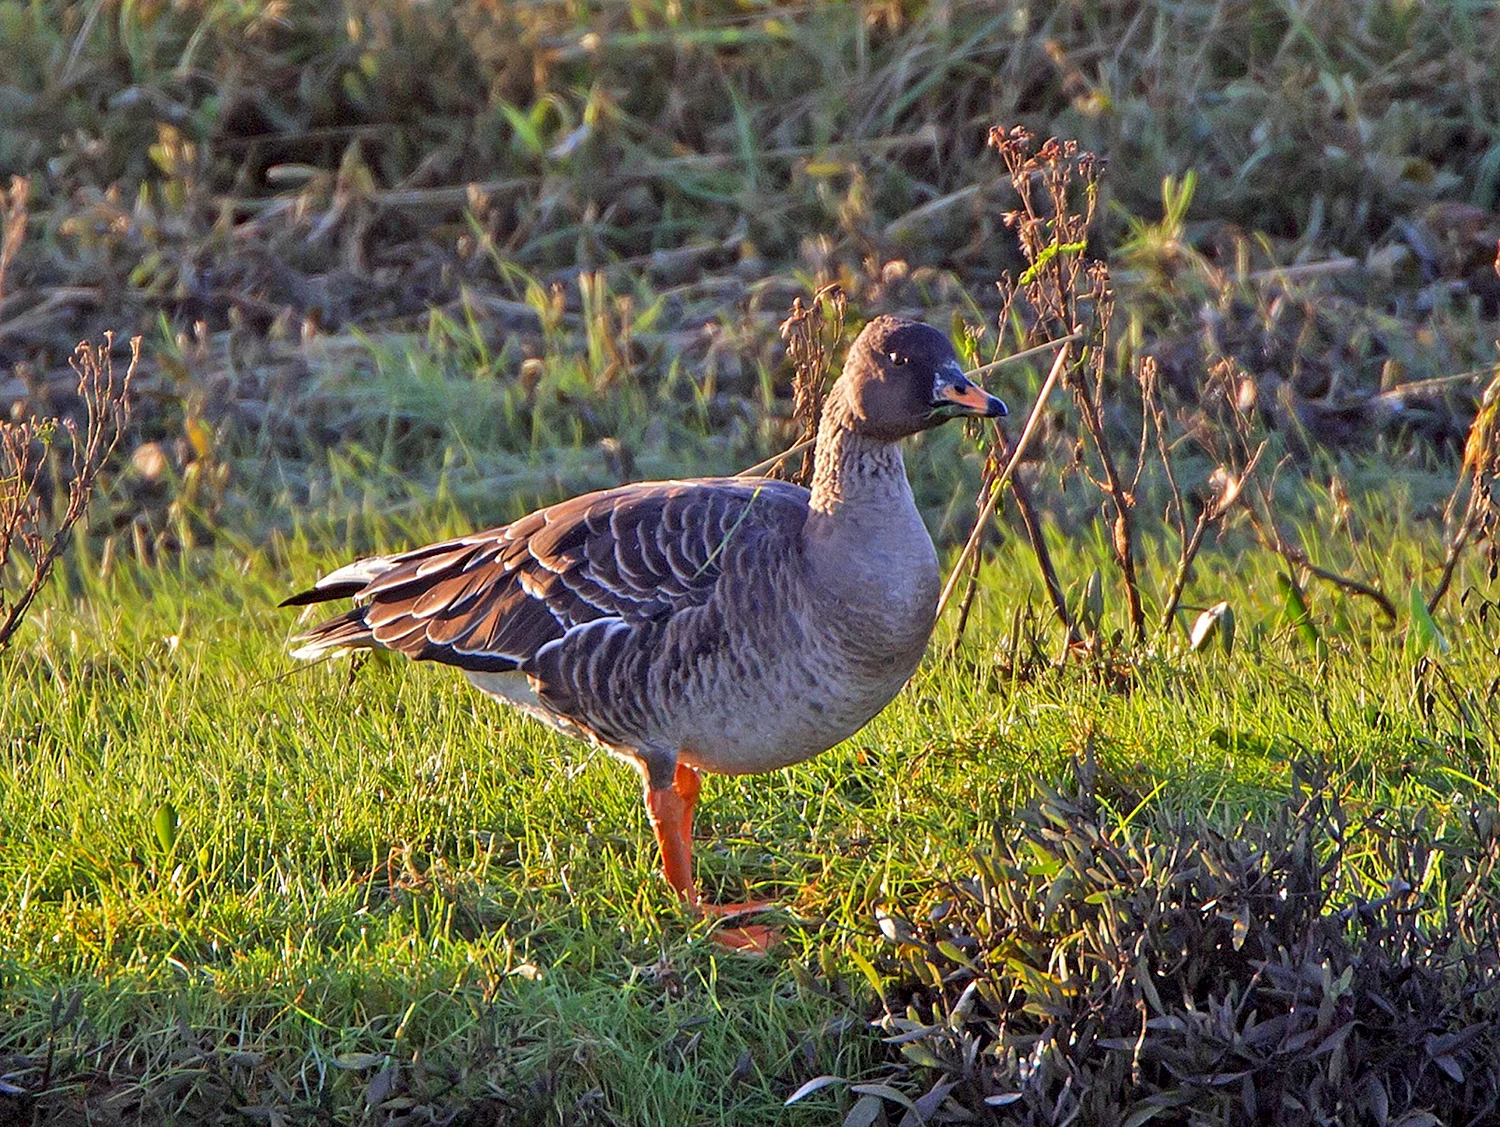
(230, 882)
(389, 871)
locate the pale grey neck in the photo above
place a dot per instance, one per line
(874, 569)
(852, 473)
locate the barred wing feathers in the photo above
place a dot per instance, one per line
(625, 559)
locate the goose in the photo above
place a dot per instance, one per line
(729, 625)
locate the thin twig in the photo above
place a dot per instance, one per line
(1024, 354)
(1027, 432)
(1296, 556)
(775, 459)
(1350, 584)
(106, 402)
(1215, 510)
(1303, 270)
(1451, 556)
(1477, 476)
(1031, 521)
(970, 590)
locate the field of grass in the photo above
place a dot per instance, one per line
(256, 885)
(411, 269)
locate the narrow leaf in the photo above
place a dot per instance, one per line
(885, 1092)
(816, 1084)
(864, 1112)
(1294, 610)
(1423, 628)
(867, 968)
(165, 825)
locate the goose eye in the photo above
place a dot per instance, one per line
(899, 360)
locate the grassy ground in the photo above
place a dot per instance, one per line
(287, 888)
(415, 268)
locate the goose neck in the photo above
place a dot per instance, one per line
(853, 472)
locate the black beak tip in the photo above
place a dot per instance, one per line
(997, 408)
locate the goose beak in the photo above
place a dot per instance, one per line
(953, 389)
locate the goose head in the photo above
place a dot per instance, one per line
(902, 377)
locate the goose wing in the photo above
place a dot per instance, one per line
(488, 602)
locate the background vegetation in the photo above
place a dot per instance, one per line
(402, 268)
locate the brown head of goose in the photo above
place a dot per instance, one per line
(734, 625)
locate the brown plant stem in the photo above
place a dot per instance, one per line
(1032, 523)
(1185, 560)
(1122, 539)
(970, 590)
(1031, 520)
(1451, 557)
(1478, 475)
(1027, 432)
(106, 403)
(1296, 556)
(1214, 512)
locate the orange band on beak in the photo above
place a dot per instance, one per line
(971, 397)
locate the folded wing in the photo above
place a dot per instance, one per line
(489, 602)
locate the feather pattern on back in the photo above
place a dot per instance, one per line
(580, 595)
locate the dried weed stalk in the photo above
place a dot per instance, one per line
(1230, 434)
(1088, 385)
(1063, 291)
(26, 542)
(812, 338)
(999, 456)
(1273, 535)
(1478, 487)
(1227, 434)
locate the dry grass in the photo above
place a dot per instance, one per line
(256, 176)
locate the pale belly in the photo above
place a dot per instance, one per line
(746, 724)
(757, 727)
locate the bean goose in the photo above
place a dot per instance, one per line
(733, 625)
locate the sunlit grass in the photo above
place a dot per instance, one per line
(231, 882)
(313, 867)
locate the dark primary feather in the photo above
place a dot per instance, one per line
(322, 595)
(489, 602)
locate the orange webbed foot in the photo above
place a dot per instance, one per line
(750, 939)
(732, 911)
(755, 939)
(671, 810)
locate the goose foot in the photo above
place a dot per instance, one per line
(751, 939)
(671, 812)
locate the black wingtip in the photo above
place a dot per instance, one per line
(322, 595)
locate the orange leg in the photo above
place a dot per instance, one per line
(669, 815)
(687, 783)
(671, 812)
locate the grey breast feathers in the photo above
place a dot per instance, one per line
(603, 571)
